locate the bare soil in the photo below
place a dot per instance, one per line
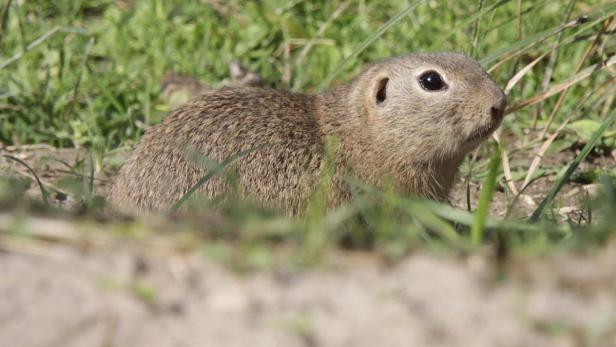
(123, 295)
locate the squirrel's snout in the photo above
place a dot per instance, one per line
(497, 110)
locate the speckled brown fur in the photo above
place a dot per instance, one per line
(414, 138)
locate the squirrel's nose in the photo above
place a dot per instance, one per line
(498, 109)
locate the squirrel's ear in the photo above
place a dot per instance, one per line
(375, 93)
(380, 90)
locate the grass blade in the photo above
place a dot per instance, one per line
(46, 36)
(466, 218)
(587, 54)
(44, 192)
(520, 74)
(106, 92)
(574, 164)
(4, 17)
(368, 42)
(476, 31)
(554, 51)
(472, 18)
(71, 105)
(580, 76)
(435, 223)
(584, 23)
(483, 206)
(213, 172)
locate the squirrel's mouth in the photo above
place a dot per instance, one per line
(482, 132)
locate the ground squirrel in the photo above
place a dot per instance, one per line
(406, 120)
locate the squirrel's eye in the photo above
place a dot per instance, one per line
(431, 81)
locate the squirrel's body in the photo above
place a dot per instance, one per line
(388, 129)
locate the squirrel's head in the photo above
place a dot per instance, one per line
(429, 106)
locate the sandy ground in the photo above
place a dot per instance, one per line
(124, 295)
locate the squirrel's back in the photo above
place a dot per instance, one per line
(277, 129)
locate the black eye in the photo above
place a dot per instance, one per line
(431, 81)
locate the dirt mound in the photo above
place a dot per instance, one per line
(125, 296)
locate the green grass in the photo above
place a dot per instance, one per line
(86, 74)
